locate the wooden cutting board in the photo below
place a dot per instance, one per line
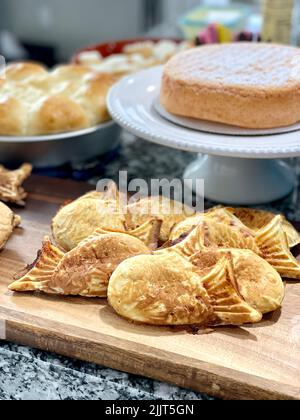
(258, 362)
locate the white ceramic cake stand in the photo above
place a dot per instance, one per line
(240, 167)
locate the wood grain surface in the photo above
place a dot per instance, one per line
(256, 362)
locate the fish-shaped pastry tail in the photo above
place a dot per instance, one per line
(11, 189)
(293, 235)
(228, 305)
(259, 219)
(256, 281)
(211, 233)
(148, 233)
(39, 274)
(273, 243)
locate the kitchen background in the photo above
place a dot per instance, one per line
(54, 29)
(51, 31)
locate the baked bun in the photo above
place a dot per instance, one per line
(247, 85)
(35, 101)
(23, 72)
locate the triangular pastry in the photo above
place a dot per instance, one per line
(39, 274)
(273, 243)
(84, 271)
(169, 290)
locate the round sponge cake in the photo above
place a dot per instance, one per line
(247, 85)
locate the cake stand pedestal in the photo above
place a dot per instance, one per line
(242, 181)
(240, 167)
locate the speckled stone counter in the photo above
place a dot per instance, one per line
(30, 374)
(27, 374)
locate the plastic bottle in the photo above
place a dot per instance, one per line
(278, 21)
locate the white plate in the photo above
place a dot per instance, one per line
(131, 103)
(217, 128)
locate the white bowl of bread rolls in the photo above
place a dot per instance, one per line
(53, 117)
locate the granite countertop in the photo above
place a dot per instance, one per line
(30, 374)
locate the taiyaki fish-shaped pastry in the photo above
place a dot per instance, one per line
(211, 233)
(258, 219)
(11, 182)
(79, 219)
(270, 243)
(169, 290)
(170, 212)
(273, 243)
(84, 271)
(219, 214)
(223, 215)
(8, 222)
(255, 279)
(99, 210)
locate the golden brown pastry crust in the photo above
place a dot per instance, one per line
(11, 189)
(169, 290)
(216, 275)
(148, 233)
(224, 216)
(267, 234)
(255, 279)
(170, 212)
(78, 220)
(109, 211)
(244, 84)
(8, 222)
(84, 271)
(34, 101)
(259, 219)
(222, 229)
(212, 234)
(273, 243)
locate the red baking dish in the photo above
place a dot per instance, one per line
(116, 47)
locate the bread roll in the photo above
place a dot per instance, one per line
(35, 101)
